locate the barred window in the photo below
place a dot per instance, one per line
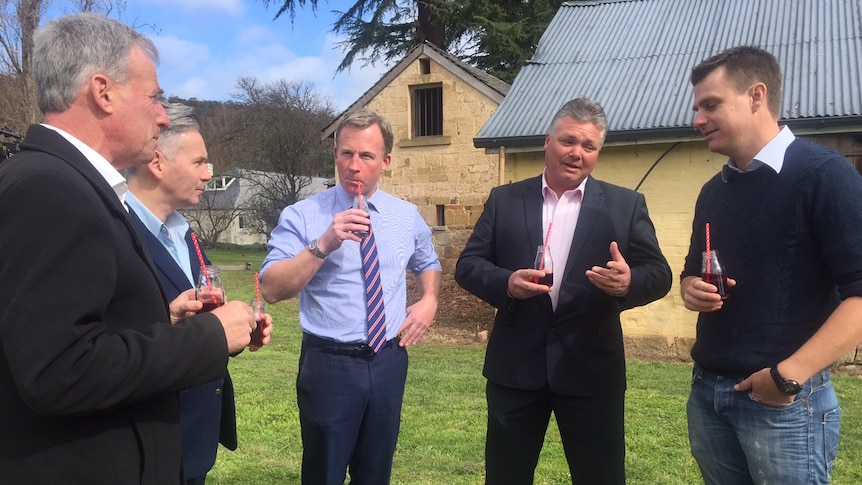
(428, 111)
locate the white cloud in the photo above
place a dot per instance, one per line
(347, 86)
(180, 55)
(205, 52)
(254, 34)
(234, 7)
(194, 87)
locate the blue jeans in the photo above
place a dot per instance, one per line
(738, 440)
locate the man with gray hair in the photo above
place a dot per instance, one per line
(348, 262)
(91, 354)
(557, 344)
(174, 179)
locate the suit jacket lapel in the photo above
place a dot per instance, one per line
(533, 202)
(592, 201)
(49, 141)
(161, 257)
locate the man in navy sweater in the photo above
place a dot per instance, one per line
(784, 214)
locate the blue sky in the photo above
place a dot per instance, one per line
(206, 45)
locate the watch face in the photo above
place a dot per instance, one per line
(786, 386)
(315, 249)
(791, 387)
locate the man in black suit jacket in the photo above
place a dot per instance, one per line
(90, 363)
(174, 179)
(559, 348)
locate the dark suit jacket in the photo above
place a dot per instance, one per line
(89, 364)
(208, 412)
(578, 349)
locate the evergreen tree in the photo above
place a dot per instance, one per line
(497, 36)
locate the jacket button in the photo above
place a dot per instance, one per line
(218, 391)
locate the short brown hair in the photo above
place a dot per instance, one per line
(365, 118)
(746, 65)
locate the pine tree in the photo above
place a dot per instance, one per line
(497, 36)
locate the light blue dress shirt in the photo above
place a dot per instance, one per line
(171, 233)
(332, 304)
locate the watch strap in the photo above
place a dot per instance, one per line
(315, 250)
(787, 387)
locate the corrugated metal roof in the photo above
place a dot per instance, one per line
(635, 58)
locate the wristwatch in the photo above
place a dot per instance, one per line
(788, 387)
(315, 250)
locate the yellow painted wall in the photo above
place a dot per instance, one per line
(670, 191)
(665, 329)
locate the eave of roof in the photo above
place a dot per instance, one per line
(485, 83)
(835, 124)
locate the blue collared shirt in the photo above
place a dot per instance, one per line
(171, 233)
(332, 304)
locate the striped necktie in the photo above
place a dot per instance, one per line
(376, 323)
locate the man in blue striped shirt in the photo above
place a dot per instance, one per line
(350, 395)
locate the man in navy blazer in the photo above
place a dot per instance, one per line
(176, 178)
(559, 348)
(91, 358)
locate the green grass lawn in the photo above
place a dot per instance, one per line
(228, 255)
(443, 420)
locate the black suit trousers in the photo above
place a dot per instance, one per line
(591, 429)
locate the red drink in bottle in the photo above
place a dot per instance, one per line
(548, 279)
(257, 333)
(719, 281)
(544, 263)
(211, 297)
(259, 309)
(209, 306)
(713, 272)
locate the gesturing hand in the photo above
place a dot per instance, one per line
(616, 277)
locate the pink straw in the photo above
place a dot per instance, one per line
(545, 247)
(359, 195)
(203, 266)
(708, 258)
(257, 288)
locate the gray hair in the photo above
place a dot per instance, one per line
(584, 110)
(70, 49)
(364, 118)
(183, 119)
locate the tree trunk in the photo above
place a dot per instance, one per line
(29, 13)
(429, 27)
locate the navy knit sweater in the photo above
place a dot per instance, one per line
(793, 243)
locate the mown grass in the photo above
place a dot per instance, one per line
(443, 419)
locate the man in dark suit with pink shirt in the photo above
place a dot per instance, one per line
(559, 348)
